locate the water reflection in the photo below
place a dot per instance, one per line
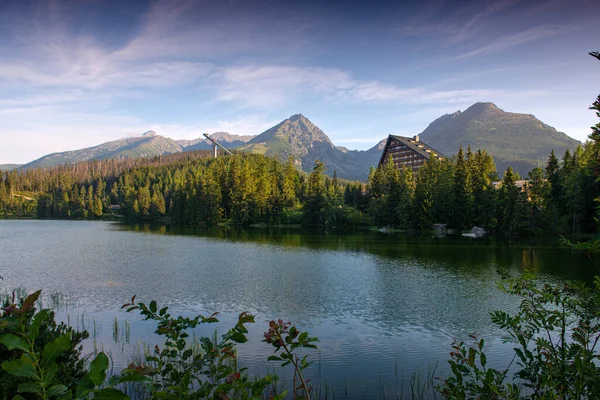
(379, 303)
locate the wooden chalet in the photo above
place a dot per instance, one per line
(407, 152)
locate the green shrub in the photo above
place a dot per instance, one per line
(42, 359)
(555, 331)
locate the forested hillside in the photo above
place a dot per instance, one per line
(194, 189)
(518, 140)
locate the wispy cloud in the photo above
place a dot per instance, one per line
(41, 99)
(48, 129)
(183, 67)
(477, 24)
(267, 86)
(252, 124)
(508, 41)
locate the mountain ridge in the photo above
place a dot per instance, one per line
(299, 138)
(8, 167)
(520, 140)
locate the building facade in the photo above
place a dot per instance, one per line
(407, 152)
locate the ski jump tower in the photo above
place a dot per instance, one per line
(215, 145)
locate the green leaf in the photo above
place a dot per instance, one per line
(29, 387)
(239, 337)
(84, 385)
(30, 301)
(98, 369)
(21, 367)
(303, 336)
(65, 396)
(483, 359)
(13, 342)
(153, 306)
(110, 394)
(163, 311)
(274, 358)
(56, 390)
(49, 373)
(471, 356)
(36, 323)
(187, 354)
(55, 348)
(6, 323)
(17, 397)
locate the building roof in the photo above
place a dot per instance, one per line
(414, 144)
(520, 184)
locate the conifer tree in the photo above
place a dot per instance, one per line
(314, 210)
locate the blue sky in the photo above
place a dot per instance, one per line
(79, 73)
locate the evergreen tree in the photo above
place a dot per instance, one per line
(539, 196)
(462, 195)
(512, 206)
(315, 203)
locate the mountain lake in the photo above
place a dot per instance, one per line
(385, 308)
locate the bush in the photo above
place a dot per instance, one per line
(41, 359)
(556, 331)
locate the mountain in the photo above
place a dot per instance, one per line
(228, 141)
(368, 157)
(148, 145)
(299, 138)
(296, 136)
(8, 167)
(519, 140)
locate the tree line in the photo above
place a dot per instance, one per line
(195, 189)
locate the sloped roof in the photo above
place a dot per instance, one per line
(417, 146)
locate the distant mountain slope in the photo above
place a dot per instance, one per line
(148, 145)
(8, 167)
(369, 157)
(519, 140)
(298, 137)
(226, 139)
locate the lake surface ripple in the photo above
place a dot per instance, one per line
(383, 306)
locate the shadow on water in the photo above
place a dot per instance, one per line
(544, 254)
(384, 306)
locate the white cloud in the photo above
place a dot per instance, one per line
(265, 86)
(509, 41)
(245, 125)
(101, 71)
(48, 129)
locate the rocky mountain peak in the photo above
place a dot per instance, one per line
(149, 134)
(482, 108)
(297, 117)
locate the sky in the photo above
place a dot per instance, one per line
(79, 73)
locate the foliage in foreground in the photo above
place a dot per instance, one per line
(555, 331)
(42, 360)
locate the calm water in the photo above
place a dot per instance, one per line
(383, 306)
